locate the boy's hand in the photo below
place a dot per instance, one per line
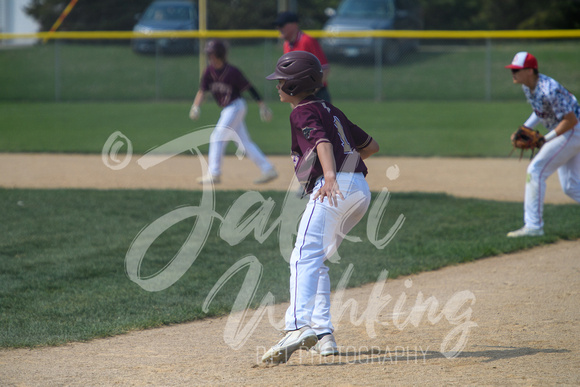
(265, 113)
(331, 190)
(194, 112)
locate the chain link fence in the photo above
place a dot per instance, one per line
(165, 69)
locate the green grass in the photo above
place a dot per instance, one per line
(93, 72)
(401, 128)
(62, 274)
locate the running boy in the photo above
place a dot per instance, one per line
(226, 84)
(327, 150)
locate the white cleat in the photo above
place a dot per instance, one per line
(266, 177)
(525, 231)
(326, 346)
(303, 338)
(208, 179)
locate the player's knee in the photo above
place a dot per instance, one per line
(572, 191)
(533, 169)
(535, 173)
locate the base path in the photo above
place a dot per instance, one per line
(506, 320)
(495, 179)
(519, 313)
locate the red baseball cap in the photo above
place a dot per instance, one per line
(523, 60)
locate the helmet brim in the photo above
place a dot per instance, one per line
(275, 76)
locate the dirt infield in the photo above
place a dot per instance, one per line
(507, 320)
(497, 179)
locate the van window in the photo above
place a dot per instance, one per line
(366, 8)
(169, 13)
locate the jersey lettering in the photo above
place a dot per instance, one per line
(340, 129)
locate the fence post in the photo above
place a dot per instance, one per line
(157, 70)
(378, 69)
(57, 71)
(488, 69)
(268, 87)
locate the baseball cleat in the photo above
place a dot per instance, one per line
(207, 179)
(303, 338)
(525, 231)
(266, 177)
(326, 346)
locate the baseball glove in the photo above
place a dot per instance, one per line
(526, 138)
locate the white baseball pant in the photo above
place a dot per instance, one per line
(233, 117)
(322, 229)
(561, 154)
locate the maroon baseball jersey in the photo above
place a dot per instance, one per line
(225, 84)
(315, 121)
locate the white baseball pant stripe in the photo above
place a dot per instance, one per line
(321, 231)
(233, 117)
(561, 154)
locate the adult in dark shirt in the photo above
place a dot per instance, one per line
(296, 40)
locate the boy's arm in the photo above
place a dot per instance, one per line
(195, 111)
(265, 112)
(330, 188)
(370, 149)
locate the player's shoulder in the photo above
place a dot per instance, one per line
(312, 103)
(306, 108)
(549, 84)
(547, 81)
(312, 43)
(232, 68)
(208, 71)
(305, 36)
(331, 109)
(303, 108)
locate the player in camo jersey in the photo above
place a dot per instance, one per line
(328, 152)
(226, 83)
(557, 109)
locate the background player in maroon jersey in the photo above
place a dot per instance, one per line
(226, 83)
(328, 152)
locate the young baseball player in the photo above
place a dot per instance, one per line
(328, 152)
(557, 109)
(226, 83)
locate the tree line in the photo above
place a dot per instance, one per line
(114, 15)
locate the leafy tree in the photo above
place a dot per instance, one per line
(560, 14)
(240, 14)
(501, 14)
(114, 15)
(312, 16)
(87, 15)
(528, 14)
(451, 14)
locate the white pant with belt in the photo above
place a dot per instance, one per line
(233, 117)
(320, 233)
(561, 154)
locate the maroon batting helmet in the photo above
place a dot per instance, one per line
(301, 70)
(217, 48)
